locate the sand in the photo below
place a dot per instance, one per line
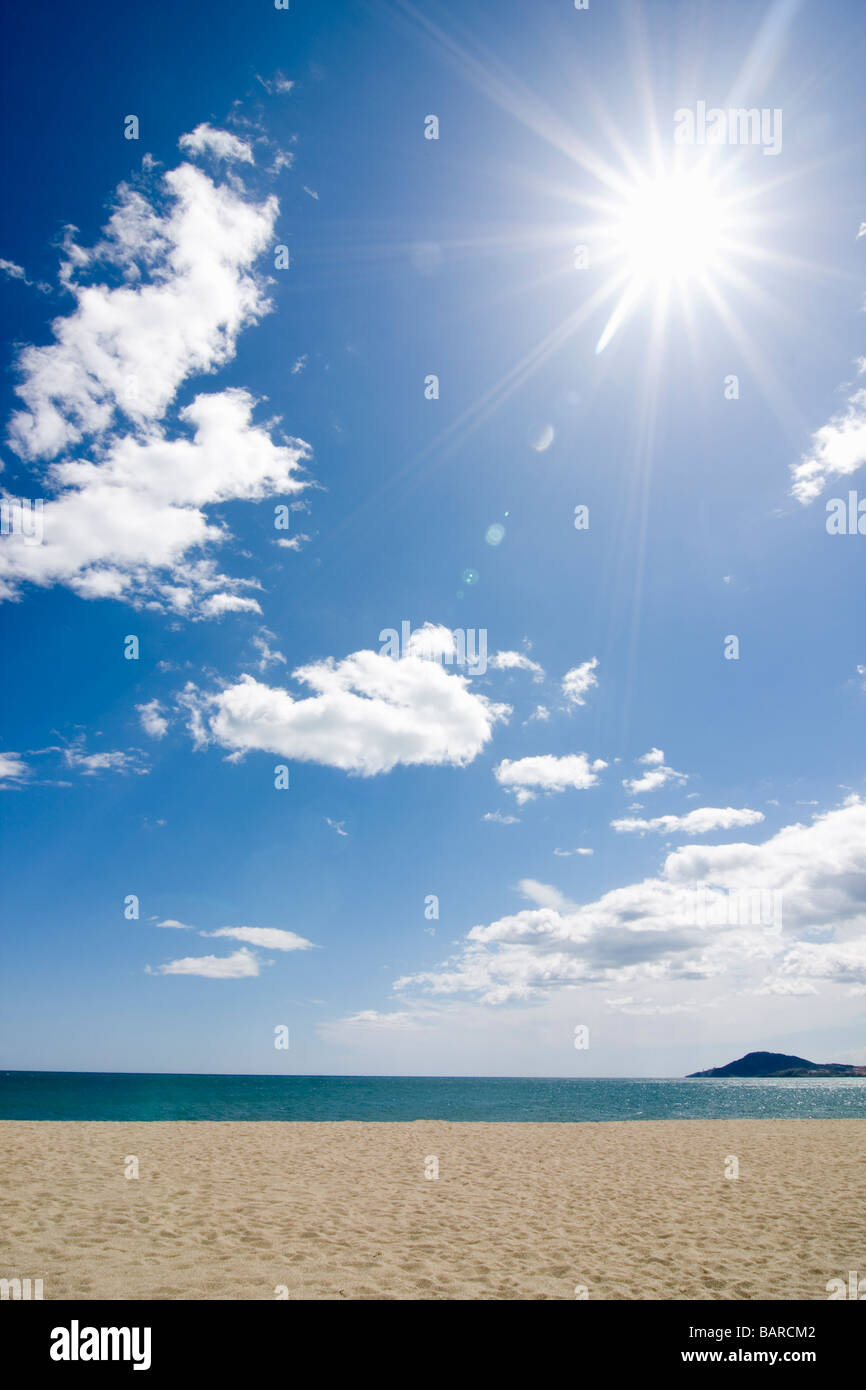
(635, 1210)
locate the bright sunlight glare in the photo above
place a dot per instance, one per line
(669, 231)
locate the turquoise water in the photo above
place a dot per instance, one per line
(130, 1096)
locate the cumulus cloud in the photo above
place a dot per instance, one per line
(128, 526)
(239, 965)
(175, 925)
(432, 642)
(680, 926)
(526, 777)
(153, 720)
(658, 774)
(653, 758)
(840, 962)
(367, 715)
(500, 819)
(836, 450)
(697, 822)
(187, 292)
(206, 140)
(567, 853)
(127, 517)
(271, 938)
(579, 680)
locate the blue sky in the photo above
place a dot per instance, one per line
(161, 371)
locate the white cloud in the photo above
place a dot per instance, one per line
(526, 777)
(299, 364)
(431, 642)
(12, 767)
(543, 894)
(292, 542)
(567, 853)
(127, 525)
(836, 450)
(370, 1018)
(311, 193)
(653, 758)
(540, 715)
(500, 819)
(368, 714)
(91, 763)
(153, 719)
(206, 140)
(175, 925)
(841, 962)
(127, 518)
(657, 776)
(697, 822)
(338, 825)
(650, 931)
(188, 291)
(17, 272)
(277, 83)
(578, 681)
(13, 271)
(271, 938)
(516, 661)
(268, 656)
(239, 965)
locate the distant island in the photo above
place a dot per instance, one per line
(780, 1064)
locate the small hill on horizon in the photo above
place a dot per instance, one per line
(767, 1064)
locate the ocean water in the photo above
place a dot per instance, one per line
(131, 1096)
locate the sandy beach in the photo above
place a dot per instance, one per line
(638, 1210)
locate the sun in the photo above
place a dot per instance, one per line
(671, 229)
(669, 232)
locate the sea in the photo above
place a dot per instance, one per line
(44, 1095)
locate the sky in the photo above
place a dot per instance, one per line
(430, 578)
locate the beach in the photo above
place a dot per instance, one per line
(635, 1210)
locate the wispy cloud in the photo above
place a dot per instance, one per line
(240, 965)
(271, 938)
(697, 822)
(516, 661)
(577, 682)
(12, 768)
